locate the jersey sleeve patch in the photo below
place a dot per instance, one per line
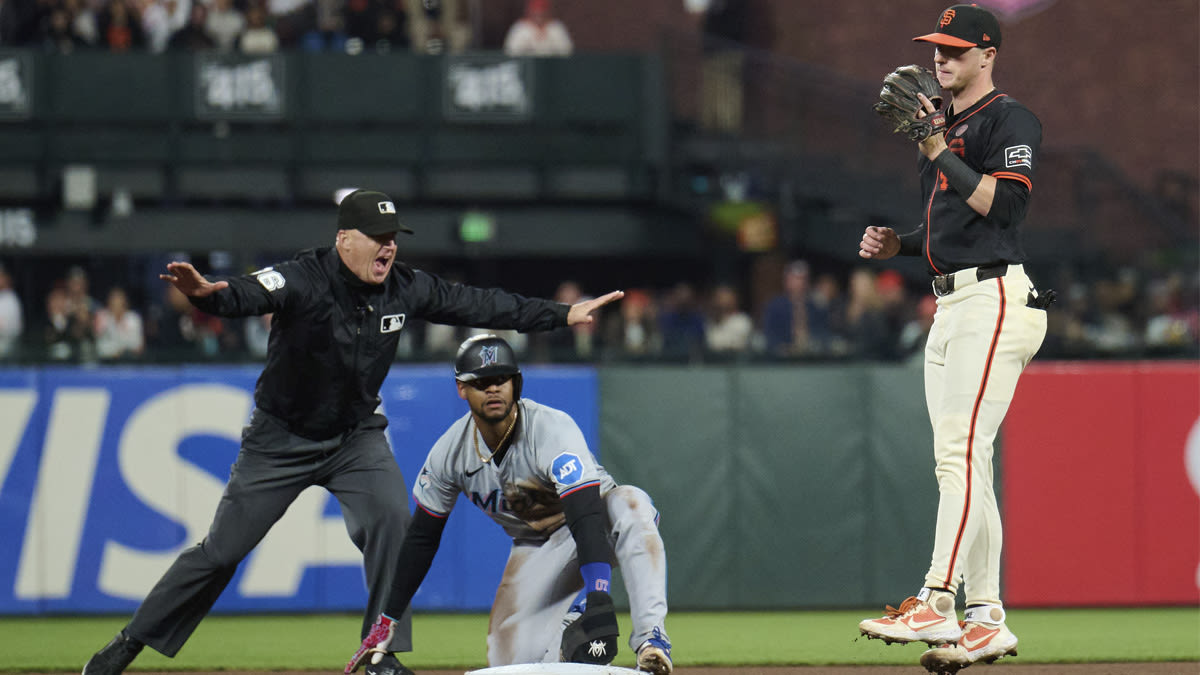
(568, 468)
(1018, 156)
(270, 279)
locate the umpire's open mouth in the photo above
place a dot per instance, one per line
(381, 264)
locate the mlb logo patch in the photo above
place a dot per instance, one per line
(387, 208)
(1018, 156)
(391, 323)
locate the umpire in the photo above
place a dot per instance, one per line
(337, 316)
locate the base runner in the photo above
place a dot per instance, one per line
(527, 466)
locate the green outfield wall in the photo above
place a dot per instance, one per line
(779, 486)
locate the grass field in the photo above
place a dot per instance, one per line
(700, 638)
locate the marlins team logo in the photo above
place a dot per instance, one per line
(270, 279)
(1018, 156)
(487, 356)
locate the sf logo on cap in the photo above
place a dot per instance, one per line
(387, 207)
(947, 17)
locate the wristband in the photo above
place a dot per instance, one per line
(597, 576)
(961, 177)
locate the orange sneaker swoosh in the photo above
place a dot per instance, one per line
(914, 624)
(968, 643)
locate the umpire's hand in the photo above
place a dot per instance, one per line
(581, 312)
(192, 283)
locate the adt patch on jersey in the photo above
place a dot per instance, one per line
(1018, 156)
(270, 279)
(568, 468)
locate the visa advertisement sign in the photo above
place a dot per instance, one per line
(106, 474)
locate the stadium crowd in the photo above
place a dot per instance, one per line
(807, 314)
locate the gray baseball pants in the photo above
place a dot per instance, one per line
(273, 467)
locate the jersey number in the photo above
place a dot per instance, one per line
(959, 147)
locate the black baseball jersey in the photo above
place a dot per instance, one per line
(997, 136)
(333, 337)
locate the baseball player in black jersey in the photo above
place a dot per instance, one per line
(976, 179)
(337, 316)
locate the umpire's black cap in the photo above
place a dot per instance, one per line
(369, 212)
(965, 26)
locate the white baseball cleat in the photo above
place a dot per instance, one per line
(980, 642)
(927, 617)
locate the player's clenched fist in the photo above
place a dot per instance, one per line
(879, 243)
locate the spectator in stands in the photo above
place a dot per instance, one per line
(1173, 321)
(915, 332)
(156, 23)
(118, 328)
(793, 324)
(828, 334)
(538, 33)
(58, 31)
(79, 300)
(258, 38)
(728, 329)
(567, 343)
(870, 328)
(194, 35)
(437, 26)
(170, 330)
(224, 24)
(83, 20)
(12, 320)
(681, 323)
(380, 25)
(328, 32)
(120, 27)
(290, 19)
(67, 334)
(633, 331)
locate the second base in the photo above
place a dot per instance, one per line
(555, 669)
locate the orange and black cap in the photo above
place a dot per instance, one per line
(965, 26)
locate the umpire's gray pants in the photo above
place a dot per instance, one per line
(273, 467)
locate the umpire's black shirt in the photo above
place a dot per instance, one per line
(333, 336)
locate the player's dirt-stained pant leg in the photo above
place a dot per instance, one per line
(639, 552)
(535, 592)
(541, 582)
(983, 337)
(370, 487)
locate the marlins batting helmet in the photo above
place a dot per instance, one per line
(487, 356)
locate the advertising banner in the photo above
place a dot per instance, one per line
(1101, 472)
(106, 474)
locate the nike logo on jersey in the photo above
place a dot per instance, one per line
(468, 474)
(969, 642)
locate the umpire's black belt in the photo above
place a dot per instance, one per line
(946, 284)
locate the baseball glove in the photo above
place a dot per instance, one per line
(539, 507)
(898, 102)
(592, 638)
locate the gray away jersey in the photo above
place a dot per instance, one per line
(547, 459)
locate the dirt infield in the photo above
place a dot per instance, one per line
(1009, 668)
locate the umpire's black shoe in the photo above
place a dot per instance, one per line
(381, 664)
(115, 657)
